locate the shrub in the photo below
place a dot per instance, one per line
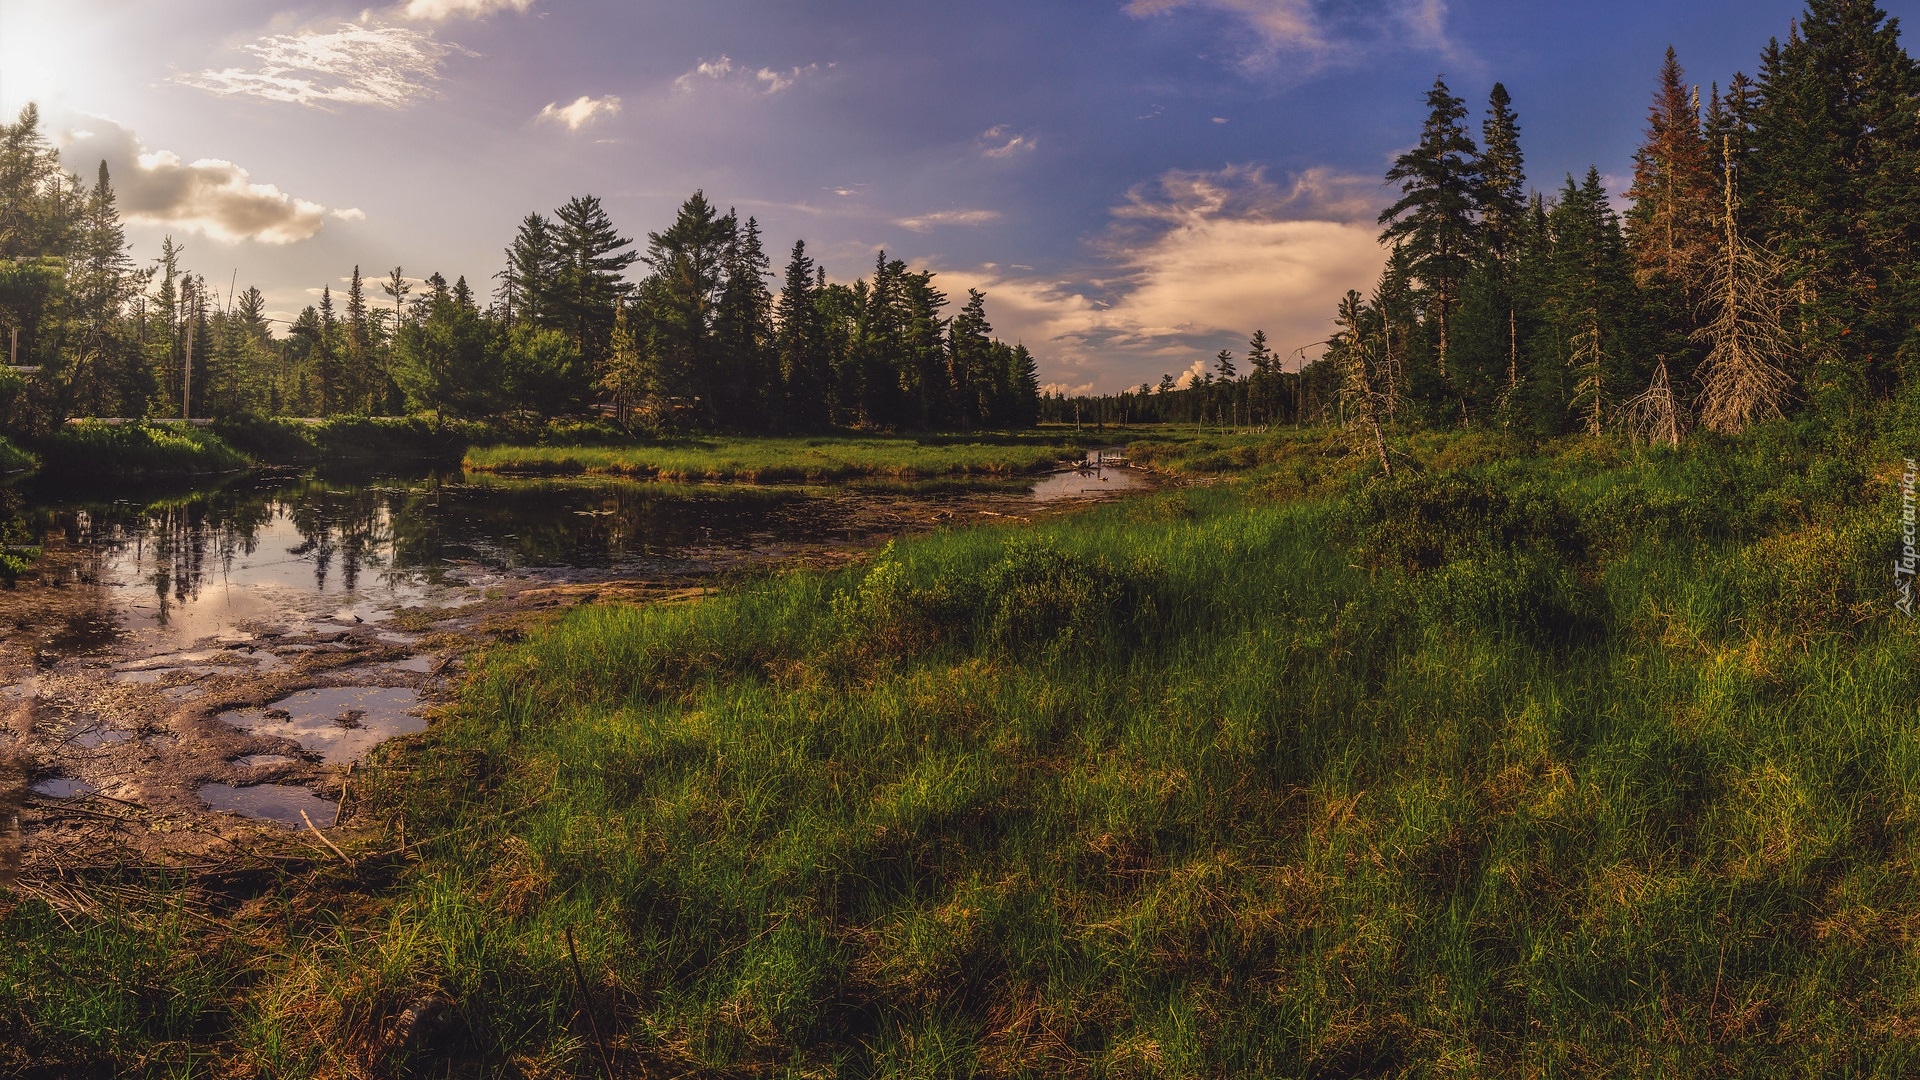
(1423, 521)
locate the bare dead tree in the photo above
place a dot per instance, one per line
(1358, 398)
(1657, 415)
(1743, 378)
(1588, 359)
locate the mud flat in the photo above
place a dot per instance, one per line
(189, 683)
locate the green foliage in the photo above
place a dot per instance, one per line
(14, 459)
(774, 460)
(112, 452)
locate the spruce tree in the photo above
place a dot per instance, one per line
(805, 370)
(1836, 149)
(1434, 218)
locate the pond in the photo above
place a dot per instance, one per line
(233, 645)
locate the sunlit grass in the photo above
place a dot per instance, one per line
(1588, 761)
(777, 460)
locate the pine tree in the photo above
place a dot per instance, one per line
(1434, 218)
(743, 333)
(1593, 300)
(805, 368)
(588, 262)
(533, 274)
(1836, 148)
(688, 261)
(1670, 227)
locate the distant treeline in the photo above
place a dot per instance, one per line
(699, 342)
(1768, 265)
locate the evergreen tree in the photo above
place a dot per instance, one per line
(588, 260)
(1836, 151)
(805, 369)
(744, 382)
(534, 274)
(1593, 302)
(1435, 216)
(689, 261)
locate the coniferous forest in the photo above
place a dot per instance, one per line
(700, 342)
(1765, 266)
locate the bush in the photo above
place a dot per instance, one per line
(1528, 594)
(1423, 521)
(121, 451)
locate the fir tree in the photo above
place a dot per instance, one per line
(1434, 217)
(805, 369)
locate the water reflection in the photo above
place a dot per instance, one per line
(198, 561)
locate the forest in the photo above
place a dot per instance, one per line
(700, 342)
(1764, 267)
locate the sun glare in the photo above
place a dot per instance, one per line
(49, 53)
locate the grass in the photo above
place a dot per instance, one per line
(782, 460)
(1571, 762)
(14, 459)
(347, 439)
(107, 452)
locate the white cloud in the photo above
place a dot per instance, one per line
(1065, 390)
(999, 142)
(1197, 262)
(387, 66)
(210, 196)
(583, 111)
(437, 10)
(350, 213)
(762, 80)
(1324, 32)
(924, 222)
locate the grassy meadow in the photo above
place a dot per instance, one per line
(1564, 761)
(784, 460)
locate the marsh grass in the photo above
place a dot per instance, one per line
(1587, 761)
(106, 452)
(783, 460)
(14, 459)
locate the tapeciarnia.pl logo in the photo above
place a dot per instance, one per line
(1904, 566)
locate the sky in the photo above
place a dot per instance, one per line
(1134, 184)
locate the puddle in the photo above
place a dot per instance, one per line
(422, 664)
(340, 723)
(282, 803)
(1089, 481)
(60, 787)
(101, 737)
(253, 761)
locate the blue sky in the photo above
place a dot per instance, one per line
(1134, 183)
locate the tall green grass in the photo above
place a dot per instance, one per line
(14, 459)
(1581, 762)
(778, 460)
(110, 452)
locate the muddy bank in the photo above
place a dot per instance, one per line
(154, 724)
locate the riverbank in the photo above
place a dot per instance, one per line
(1583, 760)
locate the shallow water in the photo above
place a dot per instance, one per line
(339, 723)
(1102, 473)
(281, 803)
(59, 787)
(195, 588)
